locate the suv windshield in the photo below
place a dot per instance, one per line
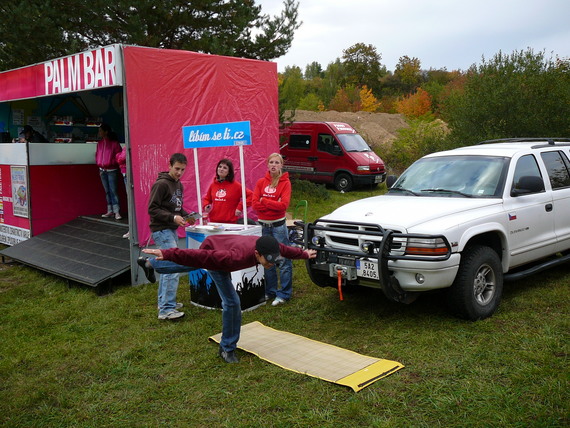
(454, 176)
(353, 143)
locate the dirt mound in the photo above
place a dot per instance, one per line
(376, 128)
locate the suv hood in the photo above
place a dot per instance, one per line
(403, 213)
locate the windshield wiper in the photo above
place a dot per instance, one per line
(402, 189)
(455, 192)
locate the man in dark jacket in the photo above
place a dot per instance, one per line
(30, 135)
(222, 254)
(167, 214)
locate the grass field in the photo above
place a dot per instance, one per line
(69, 357)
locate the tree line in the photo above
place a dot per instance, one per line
(521, 94)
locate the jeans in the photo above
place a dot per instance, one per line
(281, 233)
(231, 309)
(109, 180)
(168, 283)
(231, 304)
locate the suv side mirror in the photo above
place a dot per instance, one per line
(528, 184)
(390, 180)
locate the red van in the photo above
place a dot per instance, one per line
(330, 152)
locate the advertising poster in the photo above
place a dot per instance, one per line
(19, 190)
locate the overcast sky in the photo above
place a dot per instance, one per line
(451, 34)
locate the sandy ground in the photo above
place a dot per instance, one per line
(376, 128)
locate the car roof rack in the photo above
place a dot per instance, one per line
(550, 140)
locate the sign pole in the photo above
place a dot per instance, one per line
(198, 185)
(243, 195)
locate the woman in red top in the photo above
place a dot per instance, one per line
(222, 202)
(107, 149)
(270, 200)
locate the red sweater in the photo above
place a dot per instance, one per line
(275, 200)
(226, 253)
(225, 198)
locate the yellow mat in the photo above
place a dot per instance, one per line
(317, 359)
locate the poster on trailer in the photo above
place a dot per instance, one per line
(19, 190)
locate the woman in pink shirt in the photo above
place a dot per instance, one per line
(105, 158)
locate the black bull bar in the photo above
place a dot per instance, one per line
(381, 251)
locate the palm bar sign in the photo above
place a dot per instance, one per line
(217, 135)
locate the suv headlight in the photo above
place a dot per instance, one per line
(363, 168)
(427, 247)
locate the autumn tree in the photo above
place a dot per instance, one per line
(347, 98)
(362, 66)
(415, 105)
(408, 72)
(368, 101)
(36, 31)
(438, 85)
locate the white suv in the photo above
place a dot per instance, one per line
(461, 220)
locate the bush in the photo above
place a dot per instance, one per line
(519, 95)
(421, 138)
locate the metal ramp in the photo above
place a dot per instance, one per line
(87, 250)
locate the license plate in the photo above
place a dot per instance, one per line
(378, 179)
(367, 269)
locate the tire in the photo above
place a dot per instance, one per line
(476, 292)
(343, 182)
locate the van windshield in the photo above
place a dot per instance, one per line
(353, 143)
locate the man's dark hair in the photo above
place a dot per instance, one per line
(178, 157)
(230, 165)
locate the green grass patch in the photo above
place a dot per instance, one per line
(69, 357)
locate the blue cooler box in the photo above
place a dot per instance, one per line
(249, 283)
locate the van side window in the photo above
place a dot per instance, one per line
(327, 144)
(527, 176)
(302, 142)
(557, 165)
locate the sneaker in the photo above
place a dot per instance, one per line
(148, 271)
(228, 356)
(108, 214)
(118, 216)
(172, 315)
(278, 301)
(268, 297)
(126, 235)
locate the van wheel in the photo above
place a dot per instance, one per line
(343, 182)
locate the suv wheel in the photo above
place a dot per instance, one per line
(477, 289)
(343, 182)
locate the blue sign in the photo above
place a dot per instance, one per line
(216, 135)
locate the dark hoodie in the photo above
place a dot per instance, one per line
(166, 201)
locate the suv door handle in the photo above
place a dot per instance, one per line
(313, 158)
(548, 208)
